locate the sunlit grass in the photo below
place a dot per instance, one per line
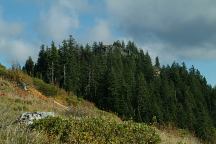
(88, 120)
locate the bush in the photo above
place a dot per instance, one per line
(54, 127)
(2, 70)
(96, 130)
(44, 88)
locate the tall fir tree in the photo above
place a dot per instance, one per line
(29, 66)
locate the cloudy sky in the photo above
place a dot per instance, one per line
(174, 30)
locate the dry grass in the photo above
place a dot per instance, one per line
(19, 135)
(176, 136)
(14, 101)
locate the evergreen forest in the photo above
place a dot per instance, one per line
(124, 79)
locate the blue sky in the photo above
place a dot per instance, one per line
(171, 29)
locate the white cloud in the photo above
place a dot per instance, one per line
(168, 53)
(9, 29)
(100, 32)
(159, 49)
(161, 14)
(205, 51)
(57, 25)
(75, 5)
(179, 29)
(62, 18)
(15, 49)
(11, 47)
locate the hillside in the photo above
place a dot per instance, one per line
(14, 100)
(122, 78)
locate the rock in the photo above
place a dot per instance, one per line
(29, 117)
(23, 86)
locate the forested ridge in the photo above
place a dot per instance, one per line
(123, 79)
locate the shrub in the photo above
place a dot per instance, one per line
(54, 127)
(96, 130)
(44, 88)
(2, 70)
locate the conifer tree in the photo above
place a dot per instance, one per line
(42, 64)
(142, 103)
(157, 63)
(29, 66)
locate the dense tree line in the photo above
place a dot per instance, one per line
(122, 78)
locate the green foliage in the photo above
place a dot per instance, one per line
(2, 69)
(96, 130)
(83, 129)
(122, 79)
(44, 88)
(29, 66)
(54, 127)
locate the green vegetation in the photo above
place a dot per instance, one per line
(44, 88)
(19, 77)
(2, 69)
(121, 78)
(68, 127)
(11, 106)
(82, 123)
(96, 130)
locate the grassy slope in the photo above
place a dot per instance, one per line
(176, 136)
(14, 101)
